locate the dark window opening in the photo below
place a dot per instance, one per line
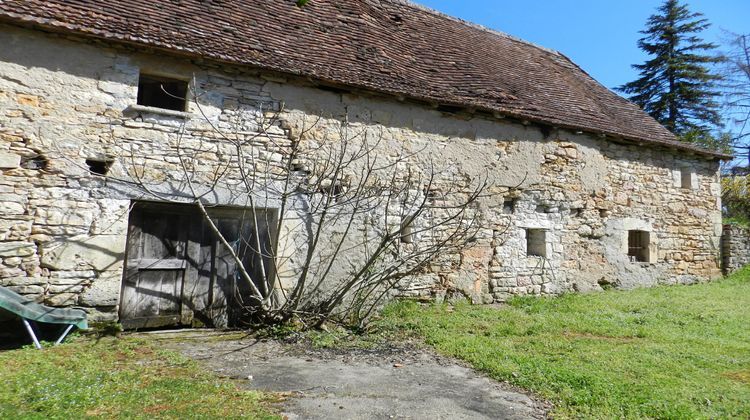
(299, 166)
(99, 167)
(546, 131)
(37, 162)
(334, 89)
(509, 205)
(686, 178)
(638, 245)
(536, 242)
(162, 92)
(333, 189)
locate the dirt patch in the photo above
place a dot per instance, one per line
(739, 376)
(399, 381)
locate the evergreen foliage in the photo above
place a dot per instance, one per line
(676, 86)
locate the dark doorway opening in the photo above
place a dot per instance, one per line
(179, 273)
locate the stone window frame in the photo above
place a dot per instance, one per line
(632, 224)
(509, 205)
(137, 108)
(685, 177)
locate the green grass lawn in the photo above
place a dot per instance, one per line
(124, 378)
(664, 352)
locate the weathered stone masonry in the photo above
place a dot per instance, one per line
(63, 230)
(735, 248)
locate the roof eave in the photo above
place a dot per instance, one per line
(60, 27)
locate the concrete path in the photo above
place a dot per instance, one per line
(391, 383)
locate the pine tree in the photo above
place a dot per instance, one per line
(676, 86)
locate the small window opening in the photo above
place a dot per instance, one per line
(334, 189)
(576, 212)
(536, 242)
(38, 162)
(686, 177)
(407, 230)
(509, 205)
(98, 167)
(299, 166)
(162, 92)
(638, 245)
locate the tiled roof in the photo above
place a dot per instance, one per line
(388, 46)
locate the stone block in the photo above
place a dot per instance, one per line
(62, 299)
(27, 100)
(71, 281)
(104, 291)
(17, 249)
(100, 253)
(11, 208)
(9, 160)
(64, 216)
(23, 281)
(113, 218)
(66, 288)
(103, 314)
(27, 289)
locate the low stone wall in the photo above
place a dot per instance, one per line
(735, 248)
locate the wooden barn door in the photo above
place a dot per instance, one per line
(156, 263)
(179, 273)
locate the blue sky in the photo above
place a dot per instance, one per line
(598, 35)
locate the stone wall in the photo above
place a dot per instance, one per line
(735, 248)
(63, 229)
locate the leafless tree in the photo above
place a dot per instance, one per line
(351, 215)
(737, 88)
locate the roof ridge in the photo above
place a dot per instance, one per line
(412, 4)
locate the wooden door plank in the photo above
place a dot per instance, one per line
(128, 296)
(155, 267)
(158, 264)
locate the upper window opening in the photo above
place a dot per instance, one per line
(162, 92)
(509, 205)
(98, 167)
(686, 176)
(536, 242)
(638, 245)
(407, 230)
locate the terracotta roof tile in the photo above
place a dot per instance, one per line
(389, 46)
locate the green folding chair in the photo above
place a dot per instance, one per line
(28, 310)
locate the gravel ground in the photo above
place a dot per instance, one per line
(394, 381)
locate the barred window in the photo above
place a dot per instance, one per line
(638, 245)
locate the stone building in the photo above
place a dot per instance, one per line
(605, 195)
